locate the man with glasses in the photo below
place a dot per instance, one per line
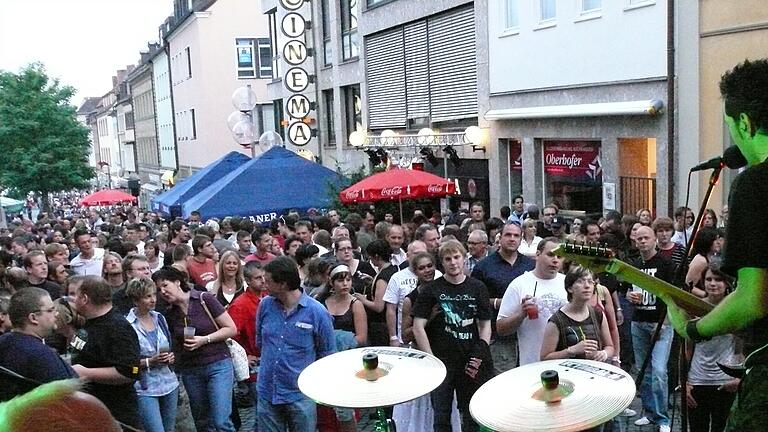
(477, 243)
(134, 266)
(23, 352)
(544, 226)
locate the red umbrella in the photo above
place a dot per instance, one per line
(398, 184)
(107, 197)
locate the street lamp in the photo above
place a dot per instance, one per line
(240, 122)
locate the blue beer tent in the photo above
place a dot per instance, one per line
(169, 203)
(267, 187)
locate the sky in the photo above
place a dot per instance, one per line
(81, 42)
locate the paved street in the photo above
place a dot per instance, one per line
(623, 424)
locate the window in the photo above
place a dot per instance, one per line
(327, 48)
(254, 58)
(590, 5)
(330, 118)
(189, 62)
(279, 113)
(547, 10)
(193, 124)
(129, 120)
(187, 127)
(349, 41)
(273, 39)
(373, 3)
(511, 14)
(352, 109)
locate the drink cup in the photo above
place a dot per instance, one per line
(67, 358)
(637, 294)
(164, 348)
(189, 332)
(532, 311)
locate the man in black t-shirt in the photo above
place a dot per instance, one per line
(745, 91)
(458, 335)
(36, 265)
(106, 351)
(648, 311)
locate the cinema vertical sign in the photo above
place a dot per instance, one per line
(296, 78)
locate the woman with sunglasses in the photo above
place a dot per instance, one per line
(158, 389)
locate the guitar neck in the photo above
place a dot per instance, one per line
(662, 289)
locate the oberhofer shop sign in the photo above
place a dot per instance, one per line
(572, 158)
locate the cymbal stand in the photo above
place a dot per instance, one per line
(383, 423)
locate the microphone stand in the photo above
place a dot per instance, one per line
(682, 271)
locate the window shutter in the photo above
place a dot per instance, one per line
(385, 69)
(417, 69)
(453, 65)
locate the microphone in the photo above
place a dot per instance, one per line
(732, 158)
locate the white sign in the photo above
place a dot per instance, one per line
(295, 52)
(292, 4)
(299, 133)
(296, 79)
(298, 106)
(609, 196)
(293, 25)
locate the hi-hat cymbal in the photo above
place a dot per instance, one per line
(592, 393)
(403, 374)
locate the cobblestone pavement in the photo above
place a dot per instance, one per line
(623, 424)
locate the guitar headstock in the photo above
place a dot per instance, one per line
(591, 255)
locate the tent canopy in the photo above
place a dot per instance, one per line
(266, 187)
(107, 197)
(169, 203)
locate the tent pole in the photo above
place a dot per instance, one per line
(400, 200)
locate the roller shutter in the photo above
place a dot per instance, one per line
(416, 69)
(385, 70)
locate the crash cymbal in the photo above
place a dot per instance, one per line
(401, 375)
(589, 393)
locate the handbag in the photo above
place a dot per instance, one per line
(236, 351)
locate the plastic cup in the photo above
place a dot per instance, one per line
(533, 312)
(189, 332)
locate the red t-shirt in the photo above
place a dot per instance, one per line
(201, 272)
(264, 260)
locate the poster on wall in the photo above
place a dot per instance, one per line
(577, 160)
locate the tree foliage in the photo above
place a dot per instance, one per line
(43, 148)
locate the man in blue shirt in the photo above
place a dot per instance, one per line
(497, 271)
(292, 331)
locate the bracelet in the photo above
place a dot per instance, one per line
(618, 309)
(147, 361)
(394, 338)
(208, 339)
(496, 303)
(693, 332)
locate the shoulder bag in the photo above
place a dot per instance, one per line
(236, 351)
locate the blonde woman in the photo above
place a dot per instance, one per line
(231, 282)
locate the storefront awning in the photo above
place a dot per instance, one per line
(643, 107)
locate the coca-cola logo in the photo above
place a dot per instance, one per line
(393, 191)
(352, 194)
(434, 188)
(563, 160)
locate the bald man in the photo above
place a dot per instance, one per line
(648, 311)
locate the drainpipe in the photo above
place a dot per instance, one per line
(671, 107)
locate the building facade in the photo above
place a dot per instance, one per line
(213, 48)
(714, 36)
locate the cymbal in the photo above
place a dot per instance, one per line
(589, 394)
(403, 374)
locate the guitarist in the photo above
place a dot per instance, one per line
(648, 311)
(745, 92)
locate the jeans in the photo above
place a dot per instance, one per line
(210, 395)
(299, 416)
(504, 354)
(654, 391)
(158, 413)
(442, 399)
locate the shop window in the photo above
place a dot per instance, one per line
(573, 175)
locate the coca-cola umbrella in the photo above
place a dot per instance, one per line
(107, 197)
(398, 184)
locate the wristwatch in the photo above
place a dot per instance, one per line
(394, 338)
(693, 332)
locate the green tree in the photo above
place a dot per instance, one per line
(43, 148)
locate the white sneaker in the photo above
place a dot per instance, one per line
(664, 428)
(642, 421)
(628, 413)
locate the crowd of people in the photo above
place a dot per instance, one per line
(144, 309)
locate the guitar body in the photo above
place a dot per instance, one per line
(600, 259)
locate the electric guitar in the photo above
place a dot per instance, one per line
(600, 259)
